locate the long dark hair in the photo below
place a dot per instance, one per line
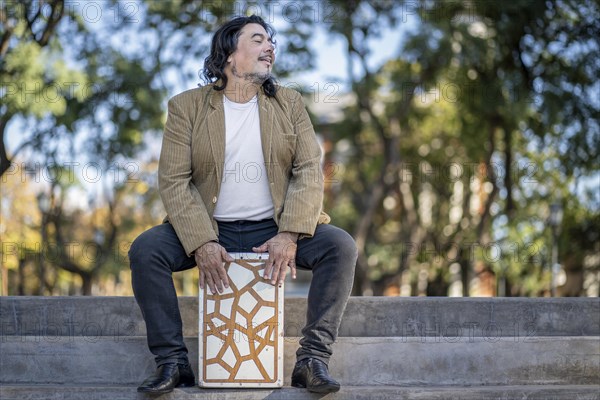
(224, 42)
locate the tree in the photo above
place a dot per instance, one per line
(25, 33)
(440, 165)
(87, 104)
(444, 164)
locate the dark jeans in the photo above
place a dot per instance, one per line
(157, 253)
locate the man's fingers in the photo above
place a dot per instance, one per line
(278, 269)
(282, 274)
(261, 249)
(221, 268)
(216, 278)
(269, 263)
(210, 283)
(292, 265)
(202, 278)
(268, 267)
(225, 255)
(274, 273)
(223, 275)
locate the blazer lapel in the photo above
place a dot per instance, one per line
(266, 126)
(216, 131)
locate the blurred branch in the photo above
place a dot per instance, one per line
(57, 11)
(4, 160)
(485, 212)
(5, 40)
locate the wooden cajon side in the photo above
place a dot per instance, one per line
(240, 341)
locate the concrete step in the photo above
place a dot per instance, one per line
(374, 361)
(364, 316)
(532, 392)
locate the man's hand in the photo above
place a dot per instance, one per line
(282, 252)
(210, 258)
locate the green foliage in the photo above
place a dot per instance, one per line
(450, 153)
(497, 120)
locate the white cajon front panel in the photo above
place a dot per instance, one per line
(241, 330)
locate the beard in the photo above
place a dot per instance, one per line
(257, 78)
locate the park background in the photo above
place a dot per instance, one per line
(460, 138)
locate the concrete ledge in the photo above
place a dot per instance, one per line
(381, 361)
(532, 392)
(364, 316)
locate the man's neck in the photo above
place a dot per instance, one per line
(240, 91)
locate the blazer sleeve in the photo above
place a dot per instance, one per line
(304, 198)
(185, 209)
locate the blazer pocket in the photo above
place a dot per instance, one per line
(289, 136)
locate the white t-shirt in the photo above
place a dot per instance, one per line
(244, 193)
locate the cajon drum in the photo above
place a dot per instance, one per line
(240, 341)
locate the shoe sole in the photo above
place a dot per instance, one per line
(324, 389)
(154, 392)
(318, 389)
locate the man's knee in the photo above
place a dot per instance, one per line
(343, 244)
(140, 249)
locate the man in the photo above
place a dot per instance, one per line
(239, 171)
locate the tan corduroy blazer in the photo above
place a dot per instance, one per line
(192, 159)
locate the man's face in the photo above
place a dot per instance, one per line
(254, 57)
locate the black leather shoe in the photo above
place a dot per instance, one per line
(167, 377)
(186, 376)
(313, 374)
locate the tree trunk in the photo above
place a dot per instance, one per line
(21, 283)
(508, 182)
(86, 284)
(4, 160)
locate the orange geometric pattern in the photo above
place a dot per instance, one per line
(241, 329)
